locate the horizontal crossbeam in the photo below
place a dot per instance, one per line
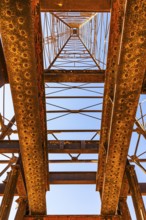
(76, 76)
(73, 217)
(55, 146)
(61, 178)
(75, 5)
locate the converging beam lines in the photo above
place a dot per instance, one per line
(74, 19)
(55, 35)
(77, 57)
(97, 41)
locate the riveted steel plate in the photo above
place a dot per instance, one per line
(17, 30)
(130, 76)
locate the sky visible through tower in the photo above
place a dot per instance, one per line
(76, 199)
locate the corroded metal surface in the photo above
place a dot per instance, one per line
(110, 79)
(3, 68)
(78, 76)
(17, 30)
(72, 177)
(7, 129)
(129, 81)
(55, 146)
(40, 79)
(81, 178)
(21, 190)
(21, 209)
(124, 210)
(75, 5)
(123, 206)
(135, 191)
(73, 217)
(9, 193)
(143, 91)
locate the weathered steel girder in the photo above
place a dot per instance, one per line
(110, 80)
(22, 202)
(135, 192)
(73, 217)
(55, 146)
(59, 178)
(17, 29)
(130, 74)
(7, 129)
(75, 5)
(143, 91)
(9, 192)
(3, 68)
(76, 76)
(123, 206)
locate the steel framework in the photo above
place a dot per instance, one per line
(77, 76)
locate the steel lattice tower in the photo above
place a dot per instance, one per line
(77, 76)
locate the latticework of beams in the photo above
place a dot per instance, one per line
(18, 36)
(75, 49)
(55, 34)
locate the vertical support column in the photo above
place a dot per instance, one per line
(9, 193)
(21, 209)
(40, 80)
(135, 191)
(124, 209)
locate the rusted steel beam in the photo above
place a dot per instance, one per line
(17, 31)
(116, 24)
(122, 206)
(22, 193)
(75, 5)
(6, 129)
(22, 202)
(135, 192)
(72, 177)
(124, 210)
(55, 146)
(9, 192)
(73, 217)
(140, 129)
(40, 79)
(73, 146)
(131, 65)
(21, 188)
(93, 76)
(143, 90)
(3, 68)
